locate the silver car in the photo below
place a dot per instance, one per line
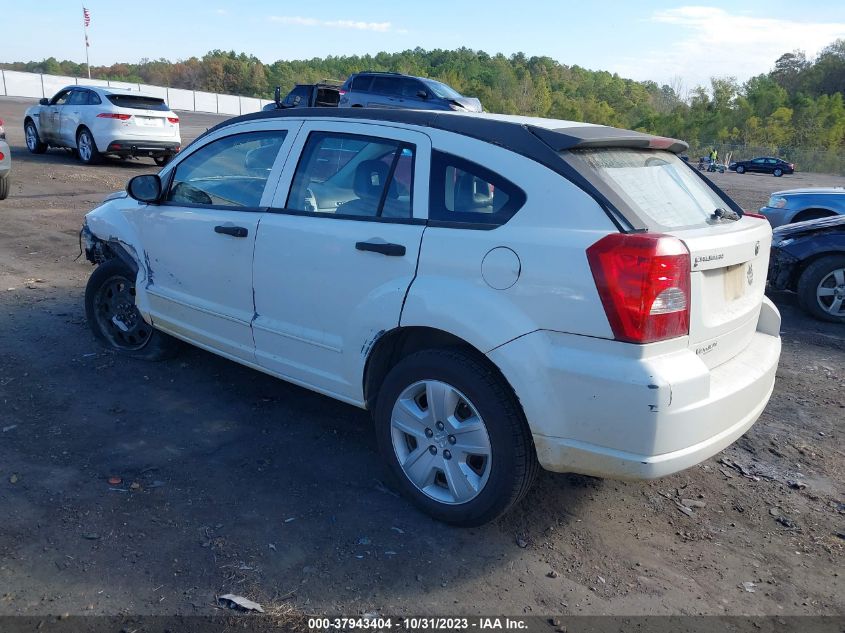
(800, 205)
(5, 163)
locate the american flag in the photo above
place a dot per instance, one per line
(86, 17)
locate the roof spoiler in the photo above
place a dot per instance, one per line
(592, 136)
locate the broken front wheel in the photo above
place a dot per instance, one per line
(114, 319)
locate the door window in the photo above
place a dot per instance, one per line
(386, 85)
(411, 89)
(462, 191)
(348, 174)
(297, 95)
(93, 98)
(229, 172)
(78, 97)
(362, 83)
(61, 98)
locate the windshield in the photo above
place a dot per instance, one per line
(657, 185)
(441, 90)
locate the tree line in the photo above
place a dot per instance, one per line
(795, 108)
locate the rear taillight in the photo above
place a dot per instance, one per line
(2, 156)
(643, 280)
(173, 119)
(112, 115)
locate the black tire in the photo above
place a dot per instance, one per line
(33, 140)
(161, 161)
(110, 282)
(778, 172)
(808, 286)
(4, 188)
(513, 463)
(88, 154)
(740, 169)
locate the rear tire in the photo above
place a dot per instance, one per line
(821, 289)
(740, 169)
(481, 422)
(4, 188)
(33, 141)
(161, 161)
(86, 147)
(114, 319)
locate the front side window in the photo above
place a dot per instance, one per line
(229, 172)
(61, 98)
(297, 95)
(349, 174)
(465, 192)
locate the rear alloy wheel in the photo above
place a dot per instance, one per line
(115, 320)
(87, 147)
(454, 436)
(821, 288)
(778, 172)
(740, 169)
(33, 141)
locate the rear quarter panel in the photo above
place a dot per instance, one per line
(553, 286)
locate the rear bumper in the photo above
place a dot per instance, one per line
(141, 147)
(621, 411)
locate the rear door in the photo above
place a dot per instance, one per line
(385, 92)
(337, 251)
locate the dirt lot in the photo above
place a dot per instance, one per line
(232, 481)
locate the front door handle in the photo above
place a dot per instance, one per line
(234, 231)
(385, 248)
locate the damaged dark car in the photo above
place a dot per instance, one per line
(808, 258)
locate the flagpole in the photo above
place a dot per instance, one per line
(85, 28)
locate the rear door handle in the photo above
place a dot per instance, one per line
(234, 231)
(385, 248)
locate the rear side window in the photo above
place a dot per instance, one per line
(657, 185)
(138, 102)
(465, 192)
(229, 172)
(362, 83)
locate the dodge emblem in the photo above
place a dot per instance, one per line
(750, 274)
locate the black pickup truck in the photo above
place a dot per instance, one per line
(319, 95)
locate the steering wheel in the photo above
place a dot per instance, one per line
(310, 201)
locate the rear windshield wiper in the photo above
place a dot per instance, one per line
(724, 214)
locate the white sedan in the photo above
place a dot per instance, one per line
(94, 121)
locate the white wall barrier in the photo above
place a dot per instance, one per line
(35, 86)
(179, 99)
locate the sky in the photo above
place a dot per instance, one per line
(656, 40)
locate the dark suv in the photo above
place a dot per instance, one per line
(393, 90)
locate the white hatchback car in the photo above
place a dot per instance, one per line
(96, 121)
(501, 292)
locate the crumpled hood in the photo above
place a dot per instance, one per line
(470, 104)
(798, 229)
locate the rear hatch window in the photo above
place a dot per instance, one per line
(138, 102)
(657, 185)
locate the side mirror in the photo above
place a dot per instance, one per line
(422, 94)
(44, 101)
(277, 96)
(145, 188)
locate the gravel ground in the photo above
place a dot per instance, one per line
(231, 481)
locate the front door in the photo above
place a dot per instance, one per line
(336, 253)
(50, 117)
(199, 241)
